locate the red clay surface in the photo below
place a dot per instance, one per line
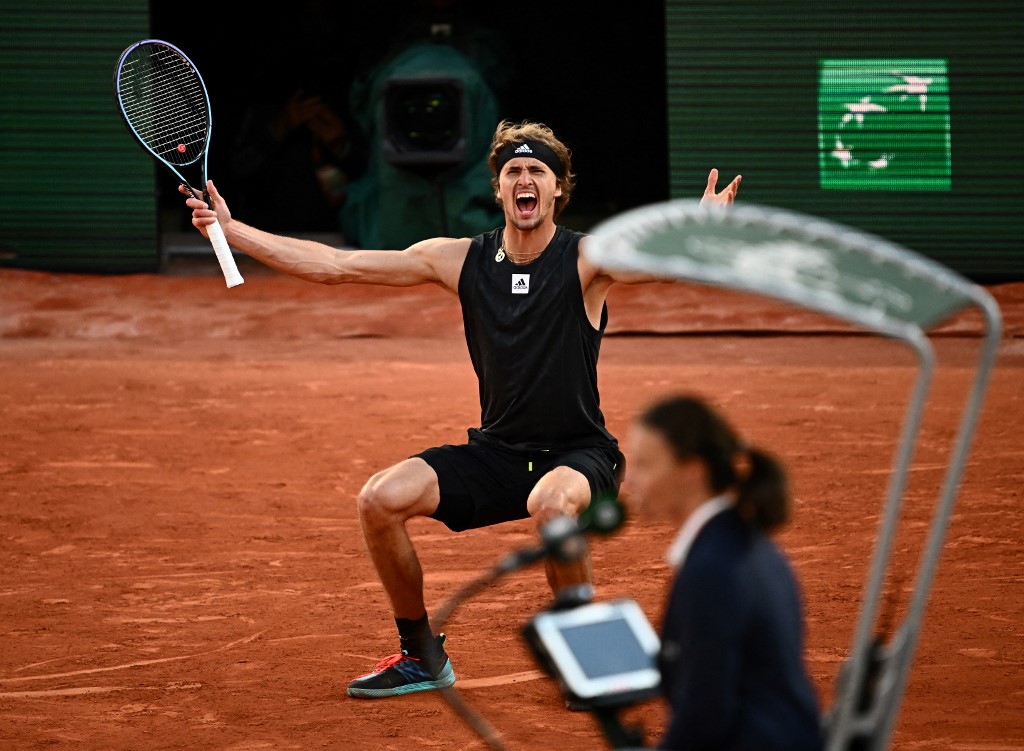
(182, 565)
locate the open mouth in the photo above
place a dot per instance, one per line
(526, 202)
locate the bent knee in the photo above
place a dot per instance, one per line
(397, 493)
(380, 498)
(373, 496)
(544, 507)
(562, 492)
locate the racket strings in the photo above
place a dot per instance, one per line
(165, 102)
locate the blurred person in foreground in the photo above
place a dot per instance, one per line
(731, 660)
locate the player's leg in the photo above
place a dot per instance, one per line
(570, 480)
(575, 478)
(562, 491)
(387, 501)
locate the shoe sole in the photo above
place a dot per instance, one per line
(444, 680)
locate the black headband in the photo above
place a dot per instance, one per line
(534, 149)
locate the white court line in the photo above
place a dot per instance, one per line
(140, 663)
(500, 680)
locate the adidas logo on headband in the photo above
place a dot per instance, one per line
(533, 150)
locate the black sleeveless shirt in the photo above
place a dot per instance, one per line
(532, 347)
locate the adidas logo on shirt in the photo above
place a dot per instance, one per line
(524, 149)
(520, 284)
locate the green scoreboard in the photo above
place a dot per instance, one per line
(903, 119)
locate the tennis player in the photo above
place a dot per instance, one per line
(534, 313)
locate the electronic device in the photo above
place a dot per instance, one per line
(603, 654)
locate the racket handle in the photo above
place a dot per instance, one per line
(227, 261)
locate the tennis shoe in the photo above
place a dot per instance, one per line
(402, 674)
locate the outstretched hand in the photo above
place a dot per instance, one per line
(727, 194)
(203, 214)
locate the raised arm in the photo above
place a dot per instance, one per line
(435, 261)
(595, 281)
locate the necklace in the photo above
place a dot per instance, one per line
(502, 252)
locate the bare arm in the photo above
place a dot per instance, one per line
(597, 281)
(600, 279)
(436, 261)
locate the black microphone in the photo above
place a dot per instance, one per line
(604, 515)
(563, 537)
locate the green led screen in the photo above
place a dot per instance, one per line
(900, 118)
(883, 125)
(76, 192)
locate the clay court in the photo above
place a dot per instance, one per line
(182, 565)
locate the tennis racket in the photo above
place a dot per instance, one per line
(164, 103)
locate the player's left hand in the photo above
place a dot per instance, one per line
(726, 196)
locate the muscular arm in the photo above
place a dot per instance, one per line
(597, 281)
(428, 261)
(437, 260)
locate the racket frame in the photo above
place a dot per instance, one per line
(215, 231)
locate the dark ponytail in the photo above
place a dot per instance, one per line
(762, 490)
(695, 430)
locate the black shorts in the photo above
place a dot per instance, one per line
(482, 484)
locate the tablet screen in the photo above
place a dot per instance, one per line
(606, 648)
(599, 650)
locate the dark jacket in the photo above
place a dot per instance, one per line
(732, 647)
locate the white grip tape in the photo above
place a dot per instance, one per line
(227, 261)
